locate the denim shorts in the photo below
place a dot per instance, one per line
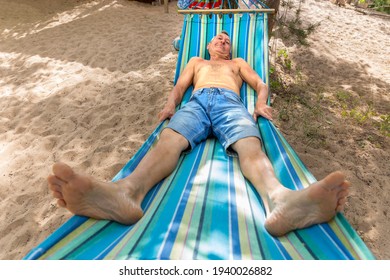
(214, 111)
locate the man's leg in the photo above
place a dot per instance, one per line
(287, 209)
(119, 201)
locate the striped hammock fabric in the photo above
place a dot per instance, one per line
(206, 209)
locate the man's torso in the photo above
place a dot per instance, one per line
(222, 74)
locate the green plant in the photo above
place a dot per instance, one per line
(379, 5)
(343, 96)
(384, 125)
(346, 99)
(293, 26)
(314, 135)
(360, 116)
(276, 85)
(283, 56)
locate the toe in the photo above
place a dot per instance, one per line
(57, 195)
(63, 171)
(53, 180)
(335, 179)
(340, 208)
(340, 204)
(61, 203)
(345, 185)
(343, 194)
(55, 185)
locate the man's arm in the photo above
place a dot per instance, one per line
(253, 79)
(176, 95)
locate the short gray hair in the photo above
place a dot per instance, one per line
(223, 32)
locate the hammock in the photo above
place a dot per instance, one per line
(206, 209)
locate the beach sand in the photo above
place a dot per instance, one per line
(82, 82)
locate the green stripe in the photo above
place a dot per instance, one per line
(75, 239)
(129, 242)
(184, 243)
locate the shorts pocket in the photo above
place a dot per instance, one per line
(232, 97)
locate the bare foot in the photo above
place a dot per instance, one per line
(85, 196)
(316, 204)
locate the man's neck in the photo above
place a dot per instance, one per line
(218, 58)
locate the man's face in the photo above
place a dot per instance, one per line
(220, 45)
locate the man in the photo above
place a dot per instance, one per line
(215, 108)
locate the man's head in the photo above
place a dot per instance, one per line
(220, 45)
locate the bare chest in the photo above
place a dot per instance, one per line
(217, 68)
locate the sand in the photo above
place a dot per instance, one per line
(82, 82)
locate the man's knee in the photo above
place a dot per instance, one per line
(248, 145)
(173, 140)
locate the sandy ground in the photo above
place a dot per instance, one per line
(82, 82)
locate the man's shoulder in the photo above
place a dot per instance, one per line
(238, 60)
(196, 59)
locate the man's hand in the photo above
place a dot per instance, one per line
(167, 112)
(262, 110)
